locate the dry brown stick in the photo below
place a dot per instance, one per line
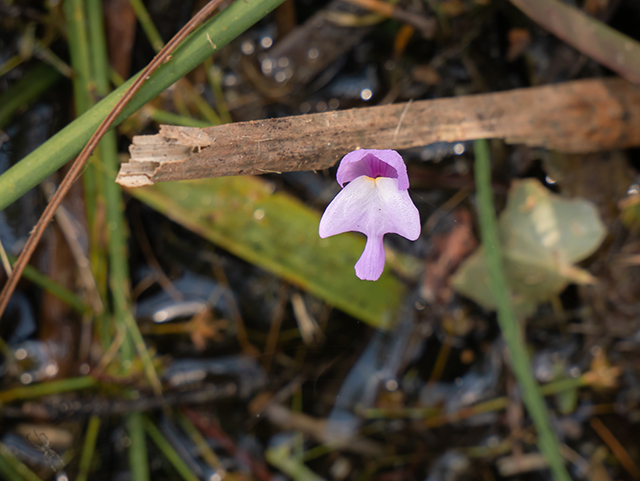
(581, 116)
(616, 447)
(593, 38)
(78, 164)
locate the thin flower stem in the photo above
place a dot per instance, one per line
(520, 364)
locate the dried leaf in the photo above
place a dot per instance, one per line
(542, 235)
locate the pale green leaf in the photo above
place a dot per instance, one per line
(280, 234)
(542, 236)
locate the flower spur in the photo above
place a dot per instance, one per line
(375, 201)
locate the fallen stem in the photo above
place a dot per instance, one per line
(593, 38)
(577, 117)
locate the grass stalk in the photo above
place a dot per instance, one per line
(7, 472)
(201, 104)
(88, 448)
(52, 287)
(60, 148)
(435, 415)
(149, 28)
(157, 43)
(214, 76)
(172, 456)
(138, 449)
(83, 90)
(164, 117)
(13, 468)
(47, 388)
(209, 456)
(533, 399)
(44, 53)
(79, 51)
(114, 205)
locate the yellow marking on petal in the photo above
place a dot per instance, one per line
(371, 179)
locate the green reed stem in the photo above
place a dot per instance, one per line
(47, 388)
(114, 205)
(214, 76)
(520, 364)
(138, 459)
(149, 28)
(65, 295)
(164, 117)
(12, 468)
(88, 448)
(169, 453)
(83, 94)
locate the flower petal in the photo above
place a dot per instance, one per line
(373, 207)
(373, 163)
(371, 263)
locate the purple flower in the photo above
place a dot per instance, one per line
(375, 201)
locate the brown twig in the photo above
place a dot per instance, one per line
(78, 164)
(593, 38)
(616, 447)
(574, 117)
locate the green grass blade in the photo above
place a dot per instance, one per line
(79, 49)
(149, 28)
(138, 449)
(83, 95)
(13, 468)
(172, 456)
(533, 399)
(47, 388)
(38, 278)
(7, 472)
(59, 149)
(114, 205)
(93, 428)
(164, 117)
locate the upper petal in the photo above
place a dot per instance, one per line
(373, 207)
(373, 163)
